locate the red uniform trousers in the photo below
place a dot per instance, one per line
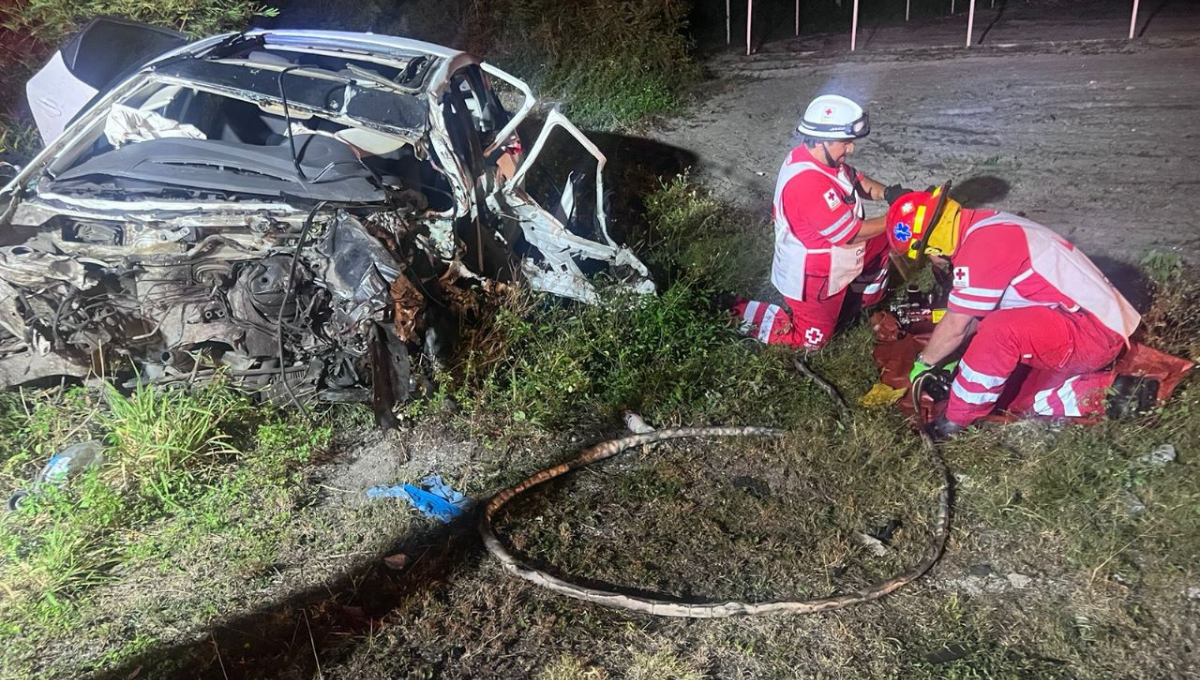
(810, 322)
(1063, 350)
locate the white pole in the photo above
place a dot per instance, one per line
(749, 23)
(728, 26)
(797, 17)
(970, 22)
(854, 26)
(952, 6)
(907, 8)
(1133, 21)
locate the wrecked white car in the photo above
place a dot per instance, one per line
(283, 207)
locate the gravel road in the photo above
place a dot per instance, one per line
(1096, 138)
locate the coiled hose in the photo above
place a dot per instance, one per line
(666, 606)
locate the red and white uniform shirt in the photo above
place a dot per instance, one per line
(817, 212)
(1007, 262)
(1061, 318)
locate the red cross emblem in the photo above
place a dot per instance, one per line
(828, 112)
(962, 277)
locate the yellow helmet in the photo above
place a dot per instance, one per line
(909, 221)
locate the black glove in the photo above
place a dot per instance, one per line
(893, 193)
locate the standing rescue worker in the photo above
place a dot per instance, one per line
(1020, 295)
(824, 246)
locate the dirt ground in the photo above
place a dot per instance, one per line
(1053, 117)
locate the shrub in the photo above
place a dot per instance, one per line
(1172, 324)
(49, 21)
(614, 61)
(693, 234)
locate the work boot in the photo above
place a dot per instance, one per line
(942, 429)
(1131, 396)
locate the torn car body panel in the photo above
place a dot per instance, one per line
(278, 206)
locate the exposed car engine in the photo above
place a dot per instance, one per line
(185, 304)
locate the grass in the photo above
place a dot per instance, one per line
(693, 235)
(214, 510)
(765, 521)
(179, 468)
(18, 139)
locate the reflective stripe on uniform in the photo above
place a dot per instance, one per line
(768, 322)
(1067, 394)
(837, 225)
(981, 292)
(845, 233)
(983, 379)
(972, 304)
(973, 397)
(1043, 401)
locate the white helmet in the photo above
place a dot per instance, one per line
(831, 116)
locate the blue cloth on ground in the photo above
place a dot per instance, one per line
(432, 497)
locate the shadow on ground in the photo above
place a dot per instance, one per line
(283, 640)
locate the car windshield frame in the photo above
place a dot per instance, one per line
(359, 101)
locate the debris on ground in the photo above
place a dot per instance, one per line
(872, 544)
(881, 396)
(396, 562)
(1019, 581)
(635, 424)
(432, 497)
(1134, 503)
(62, 466)
(1159, 457)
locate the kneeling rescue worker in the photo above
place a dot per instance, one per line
(1020, 295)
(824, 246)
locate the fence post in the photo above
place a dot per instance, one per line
(854, 27)
(797, 17)
(970, 22)
(1133, 21)
(728, 26)
(908, 8)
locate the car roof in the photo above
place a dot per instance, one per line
(386, 48)
(379, 45)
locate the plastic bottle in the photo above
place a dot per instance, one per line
(70, 462)
(61, 467)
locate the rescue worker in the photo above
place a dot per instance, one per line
(825, 248)
(1020, 295)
